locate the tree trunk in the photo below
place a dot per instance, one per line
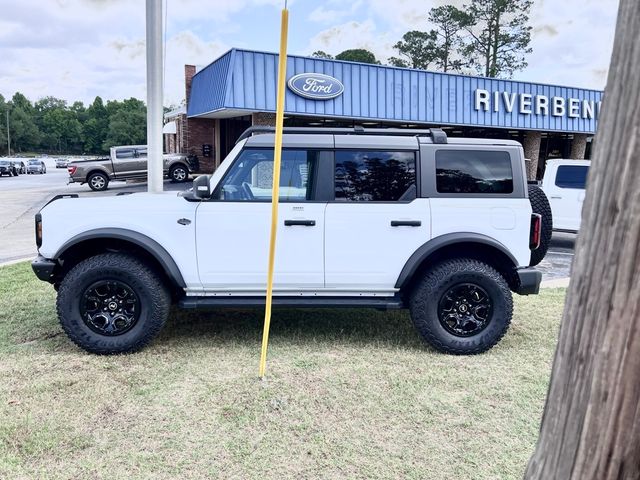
(591, 423)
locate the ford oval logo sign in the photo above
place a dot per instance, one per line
(315, 86)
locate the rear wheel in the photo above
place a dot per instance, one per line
(461, 306)
(540, 205)
(112, 303)
(98, 181)
(179, 173)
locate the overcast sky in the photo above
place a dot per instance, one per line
(77, 49)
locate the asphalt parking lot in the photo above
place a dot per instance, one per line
(21, 197)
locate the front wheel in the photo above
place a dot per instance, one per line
(179, 173)
(98, 182)
(112, 303)
(461, 306)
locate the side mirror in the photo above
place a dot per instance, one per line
(202, 187)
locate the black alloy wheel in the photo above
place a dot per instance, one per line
(109, 307)
(465, 309)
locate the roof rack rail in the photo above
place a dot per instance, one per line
(437, 134)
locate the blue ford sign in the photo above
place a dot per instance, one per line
(315, 86)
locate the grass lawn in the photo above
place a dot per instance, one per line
(349, 394)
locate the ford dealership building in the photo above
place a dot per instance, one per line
(238, 90)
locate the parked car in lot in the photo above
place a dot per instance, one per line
(126, 163)
(36, 166)
(21, 168)
(62, 162)
(564, 183)
(8, 168)
(377, 218)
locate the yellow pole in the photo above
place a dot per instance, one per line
(277, 155)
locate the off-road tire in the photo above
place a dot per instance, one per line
(154, 299)
(179, 173)
(429, 290)
(540, 205)
(96, 185)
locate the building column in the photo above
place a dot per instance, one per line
(532, 152)
(263, 119)
(578, 146)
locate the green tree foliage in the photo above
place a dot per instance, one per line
(498, 36)
(128, 125)
(321, 54)
(449, 22)
(489, 36)
(358, 55)
(417, 48)
(52, 125)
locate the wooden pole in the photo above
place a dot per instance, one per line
(591, 424)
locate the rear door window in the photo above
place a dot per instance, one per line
(125, 153)
(375, 176)
(572, 176)
(473, 171)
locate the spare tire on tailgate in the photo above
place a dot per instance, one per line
(540, 205)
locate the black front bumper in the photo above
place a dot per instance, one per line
(529, 281)
(44, 268)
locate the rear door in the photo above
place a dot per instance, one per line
(125, 162)
(376, 220)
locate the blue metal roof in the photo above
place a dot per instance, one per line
(244, 80)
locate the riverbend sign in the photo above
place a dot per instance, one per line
(315, 86)
(528, 104)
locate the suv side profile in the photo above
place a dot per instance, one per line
(380, 218)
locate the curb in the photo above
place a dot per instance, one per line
(16, 260)
(556, 283)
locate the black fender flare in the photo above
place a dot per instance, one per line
(435, 244)
(152, 247)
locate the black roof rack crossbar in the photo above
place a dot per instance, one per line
(437, 134)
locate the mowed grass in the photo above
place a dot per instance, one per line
(349, 394)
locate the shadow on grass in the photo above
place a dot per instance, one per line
(293, 326)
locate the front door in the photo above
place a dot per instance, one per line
(232, 230)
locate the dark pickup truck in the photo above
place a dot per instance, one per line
(127, 163)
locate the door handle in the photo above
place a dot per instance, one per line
(406, 223)
(556, 197)
(303, 223)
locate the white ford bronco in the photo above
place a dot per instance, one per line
(380, 218)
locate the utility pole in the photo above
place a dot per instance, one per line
(154, 96)
(8, 136)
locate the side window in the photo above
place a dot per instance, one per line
(141, 153)
(572, 176)
(125, 153)
(251, 176)
(375, 176)
(473, 171)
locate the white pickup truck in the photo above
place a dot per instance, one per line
(564, 184)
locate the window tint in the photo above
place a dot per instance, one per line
(141, 152)
(375, 176)
(470, 171)
(572, 176)
(251, 176)
(124, 153)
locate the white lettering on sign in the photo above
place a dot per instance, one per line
(315, 85)
(529, 104)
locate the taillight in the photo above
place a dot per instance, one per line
(535, 232)
(72, 170)
(38, 230)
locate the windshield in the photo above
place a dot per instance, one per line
(34, 162)
(4, 162)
